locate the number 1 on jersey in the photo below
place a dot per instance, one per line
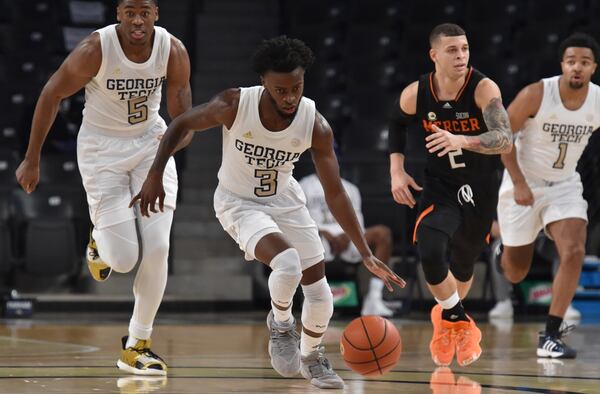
(268, 182)
(562, 153)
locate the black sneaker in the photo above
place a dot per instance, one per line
(553, 346)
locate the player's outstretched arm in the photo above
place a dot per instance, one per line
(498, 138)
(74, 73)
(179, 92)
(524, 106)
(339, 203)
(220, 110)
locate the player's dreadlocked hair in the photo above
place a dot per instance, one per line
(282, 54)
(580, 40)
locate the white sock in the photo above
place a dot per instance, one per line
(376, 288)
(281, 316)
(450, 302)
(131, 341)
(309, 344)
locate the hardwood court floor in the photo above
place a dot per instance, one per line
(65, 357)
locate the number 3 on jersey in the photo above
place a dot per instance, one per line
(268, 182)
(138, 110)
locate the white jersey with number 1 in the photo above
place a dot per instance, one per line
(551, 143)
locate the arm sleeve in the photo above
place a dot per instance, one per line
(398, 123)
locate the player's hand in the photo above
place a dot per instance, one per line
(442, 141)
(152, 190)
(401, 191)
(383, 272)
(523, 193)
(28, 174)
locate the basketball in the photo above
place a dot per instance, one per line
(371, 345)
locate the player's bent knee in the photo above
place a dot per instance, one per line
(514, 272)
(432, 249)
(122, 259)
(285, 277)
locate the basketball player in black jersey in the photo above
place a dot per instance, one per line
(465, 127)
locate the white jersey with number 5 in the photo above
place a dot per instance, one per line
(123, 99)
(257, 163)
(551, 143)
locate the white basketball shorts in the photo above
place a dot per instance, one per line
(113, 170)
(249, 220)
(520, 225)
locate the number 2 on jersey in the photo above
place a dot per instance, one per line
(562, 153)
(268, 182)
(452, 157)
(138, 110)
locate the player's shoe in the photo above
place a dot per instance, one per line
(442, 345)
(140, 360)
(317, 370)
(467, 336)
(502, 310)
(284, 346)
(553, 346)
(99, 269)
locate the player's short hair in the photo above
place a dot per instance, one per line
(119, 2)
(580, 40)
(445, 30)
(282, 54)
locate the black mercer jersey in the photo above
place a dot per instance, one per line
(458, 116)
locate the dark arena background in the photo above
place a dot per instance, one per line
(60, 331)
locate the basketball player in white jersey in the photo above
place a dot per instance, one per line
(259, 203)
(541, 189)
(122, 68)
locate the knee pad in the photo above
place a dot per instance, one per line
(285, 277)
(318, 306)
(462, 266)
(433, 247)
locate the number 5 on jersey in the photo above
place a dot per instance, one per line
(268, 182)
(138, 110)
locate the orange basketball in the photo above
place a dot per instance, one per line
(371, 345)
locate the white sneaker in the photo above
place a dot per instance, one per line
(502, 310)
(374, 306)
(572, 314)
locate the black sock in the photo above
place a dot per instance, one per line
(454, 314)
(553, 325)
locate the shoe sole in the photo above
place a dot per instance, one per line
(542, 353)
(99, 279)
(128, 368)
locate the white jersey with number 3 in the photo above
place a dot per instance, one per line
(551, 143)
(123, 99)
(257, 163)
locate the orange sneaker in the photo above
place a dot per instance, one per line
(467, 337)
(442, 381)
(442, 345)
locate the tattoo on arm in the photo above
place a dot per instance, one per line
(498, 138)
